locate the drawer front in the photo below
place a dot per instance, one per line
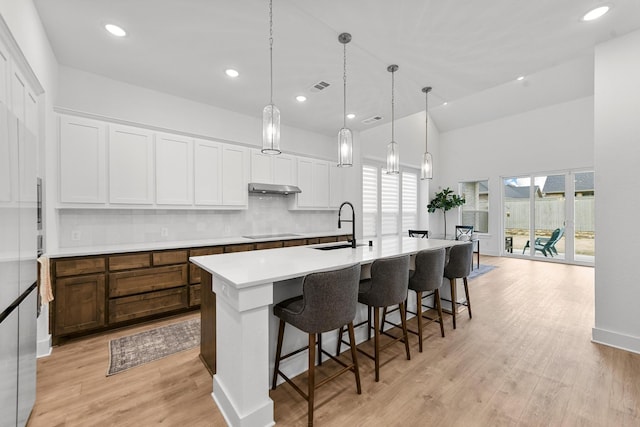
(294, 242)
(329, 239)
(128, 262)
(137, 306)
(170, 257)
(239, 248)
(78, 266)
(194, 295)
(194, 270)
(151, 279)
(313, 241)
(268, 245)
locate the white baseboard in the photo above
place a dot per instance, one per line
(616, 340)
(43, 348)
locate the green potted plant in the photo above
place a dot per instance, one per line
(445, 200)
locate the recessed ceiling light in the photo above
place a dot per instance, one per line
(445, 103)
(520, 78)
(231, 72)
(301, 98)
(351, 116)
(596, 13)
(115, 30)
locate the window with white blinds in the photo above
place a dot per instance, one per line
(369, 200)
(409, 201)
(389, 202)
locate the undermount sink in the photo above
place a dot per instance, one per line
(340, 246)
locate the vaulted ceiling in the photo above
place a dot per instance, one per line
(470, 51)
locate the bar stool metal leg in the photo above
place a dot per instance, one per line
(454, 307)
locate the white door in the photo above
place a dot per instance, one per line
(131, 166)
(82, 160)
(321, 184)
(305, 182)
(174, 170)
(208, 173)
(234, 175)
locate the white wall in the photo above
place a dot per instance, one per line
(549, 139)
(617, 154)
(409, 134)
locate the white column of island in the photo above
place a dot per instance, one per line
(244, 284)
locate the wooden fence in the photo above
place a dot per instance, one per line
(550, 214)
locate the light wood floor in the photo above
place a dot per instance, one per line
(524, 359)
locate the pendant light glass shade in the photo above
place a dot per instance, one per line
(427, 166)
(427, 161)
(345, 137)
(271, 114)
(271, 130)
(345, 148)
(393, 154)
(393, 158)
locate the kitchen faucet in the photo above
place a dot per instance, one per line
(352, 221)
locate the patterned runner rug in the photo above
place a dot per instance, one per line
(135, 350)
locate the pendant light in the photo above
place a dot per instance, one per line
(271, 113)
(345, 137)
(427, 161)
(393, 155)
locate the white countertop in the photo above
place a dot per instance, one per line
(154, 246)
(245, 269)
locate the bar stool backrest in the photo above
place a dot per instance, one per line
(429, 270)
(459, 264)
(389, 281)
(329, 299)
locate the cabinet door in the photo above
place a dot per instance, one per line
(208, 173)
(234, 175)
(82, 160)
(283, 170)
(130, 165)
(174, 170)
(80, 303)
(305, 182)
(8, 158)
(321, 184)
(336, 180)
(261, 167)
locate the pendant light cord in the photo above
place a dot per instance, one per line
(392, 106)
(271, 50)
(426, 120)
(344, 91)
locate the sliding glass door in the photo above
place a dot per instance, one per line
(550, 216)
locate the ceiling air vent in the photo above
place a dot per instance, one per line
(372, 120)
(320, 86)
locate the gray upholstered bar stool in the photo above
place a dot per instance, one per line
(426, 281)
(459, 267)
(328, 302)
(387, 287)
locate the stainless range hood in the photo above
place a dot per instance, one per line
(255, 187)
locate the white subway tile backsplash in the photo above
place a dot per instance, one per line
(267, 214)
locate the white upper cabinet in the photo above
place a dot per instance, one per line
(336, 186)
(313, 180)
(131, 165)
(208, 173)
(82, 160)
(235, 175)
(174, 170)
(305, 199)
(261, 167)
(284, 170)
(266, 169)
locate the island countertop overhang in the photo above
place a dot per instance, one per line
(246, 269)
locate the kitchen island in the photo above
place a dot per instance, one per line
(245, 286)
